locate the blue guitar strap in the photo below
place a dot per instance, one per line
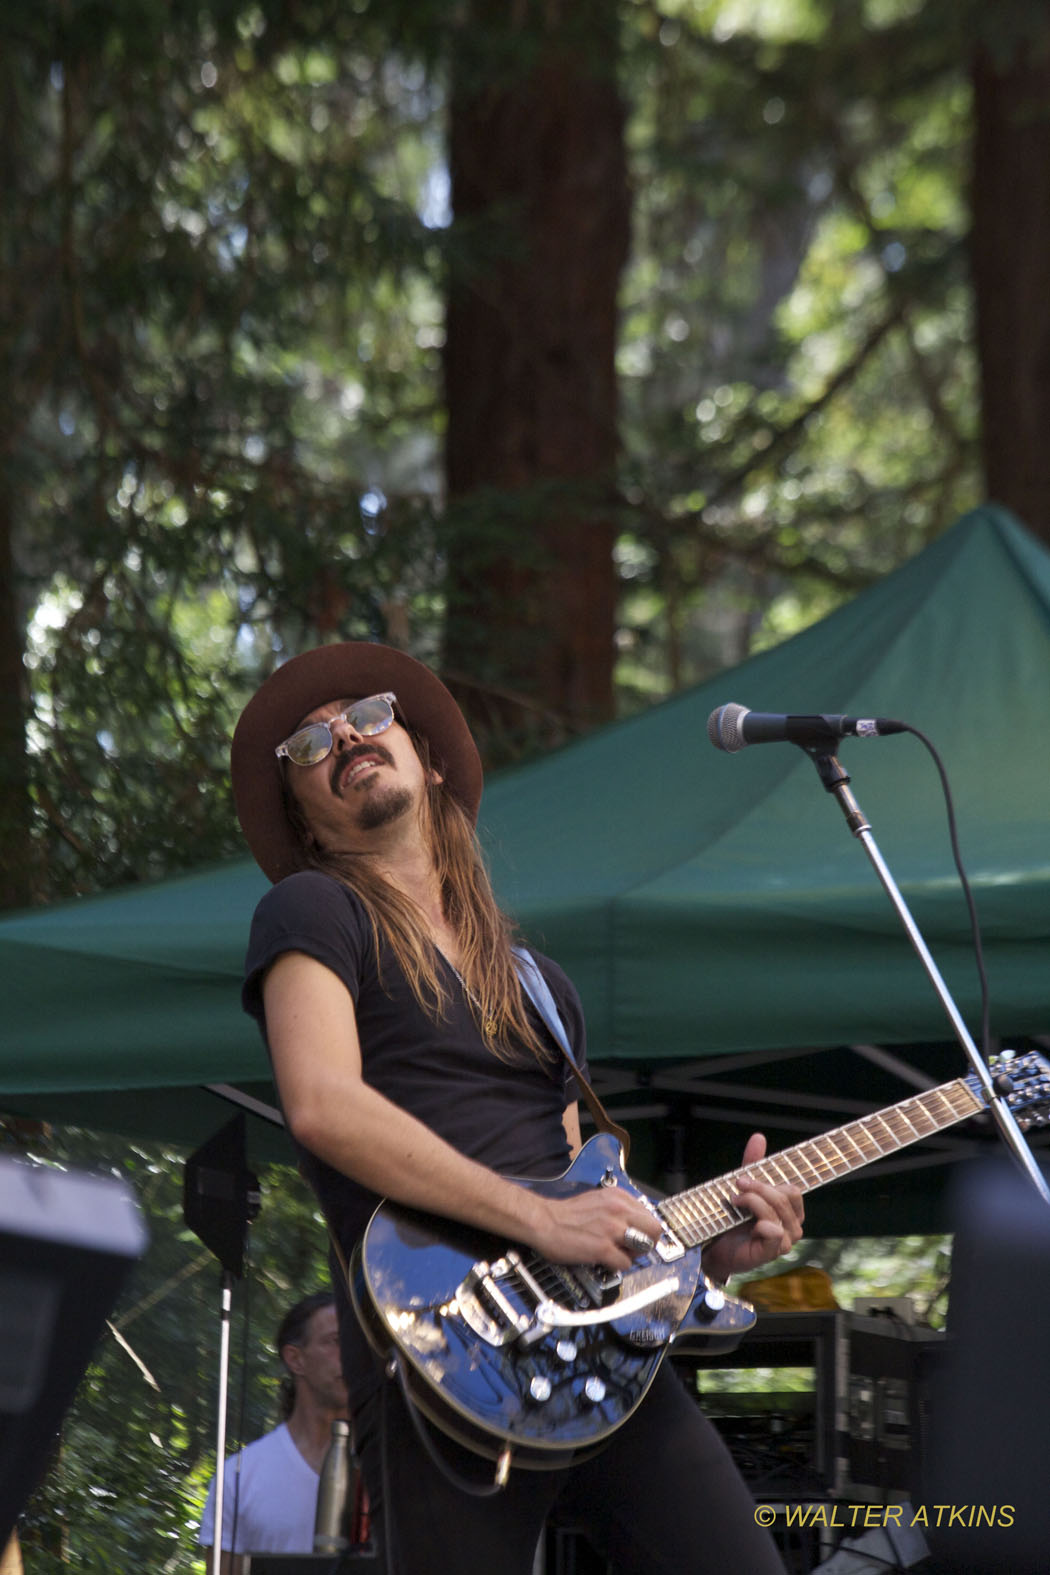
(539, 993)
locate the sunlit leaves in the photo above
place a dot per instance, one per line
(796, 360)
(231, 259)
(127, 1482)
(223, 256)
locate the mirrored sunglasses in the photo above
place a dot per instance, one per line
(311, 744)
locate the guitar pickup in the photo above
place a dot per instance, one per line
(600, 1286)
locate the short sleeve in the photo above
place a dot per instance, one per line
(311, 913)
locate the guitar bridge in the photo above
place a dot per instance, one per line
(511, 1299)
(485, 1306)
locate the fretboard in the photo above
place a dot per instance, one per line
(704, 1212)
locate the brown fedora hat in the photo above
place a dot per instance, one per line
(349, 671)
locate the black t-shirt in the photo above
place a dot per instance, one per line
(507, 1115)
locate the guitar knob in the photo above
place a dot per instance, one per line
(710, 1303)
(566, 1350)
(540, 1388)
(594, 1389)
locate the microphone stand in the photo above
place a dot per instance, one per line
(836, 781)
(220, 1198)
(215, 1561)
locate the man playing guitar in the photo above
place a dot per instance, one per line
(413, 1066)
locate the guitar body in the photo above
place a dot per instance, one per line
(501, 1349)
(536, 1364)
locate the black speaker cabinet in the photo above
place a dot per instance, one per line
(67, 1240)
(856, 1426)
(990, 1417)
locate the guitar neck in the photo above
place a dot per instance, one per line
(704, 1212)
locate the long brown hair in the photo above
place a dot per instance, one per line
(485, 934)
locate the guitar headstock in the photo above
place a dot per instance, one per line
(1029, 1097)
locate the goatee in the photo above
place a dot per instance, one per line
(380, 809)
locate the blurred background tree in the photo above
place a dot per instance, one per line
(584, 349)
(539, 183)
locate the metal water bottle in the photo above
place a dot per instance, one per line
(330, 1520)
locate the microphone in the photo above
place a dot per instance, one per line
(733, 727)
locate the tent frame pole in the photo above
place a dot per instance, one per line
(836, 782)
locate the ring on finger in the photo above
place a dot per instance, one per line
(636, 1240)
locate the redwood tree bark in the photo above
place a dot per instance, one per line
(15, 850)
(16, 863)
(1011, 248)
(540, 201)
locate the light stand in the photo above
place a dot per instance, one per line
(220, 1199)
(836, 782)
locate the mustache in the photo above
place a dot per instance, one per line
(359, 752)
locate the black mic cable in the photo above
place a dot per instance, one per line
(733, 727)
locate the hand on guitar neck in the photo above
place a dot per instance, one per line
(590, 1227)
(774, 1230)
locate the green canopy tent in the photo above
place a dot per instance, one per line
(740, 964)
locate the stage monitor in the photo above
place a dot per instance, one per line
(67, 1240)
(986, 1495)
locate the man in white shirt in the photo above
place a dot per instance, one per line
(270, 1487)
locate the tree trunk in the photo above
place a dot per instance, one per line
(541, 220)
(16, 859)
(1011, 245)
(16, 863)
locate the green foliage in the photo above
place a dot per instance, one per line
(128, 1479)
(913, 1266)
(224, 249)
(796, 362)
(217, 254)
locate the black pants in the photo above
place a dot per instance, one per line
(662, 1498)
